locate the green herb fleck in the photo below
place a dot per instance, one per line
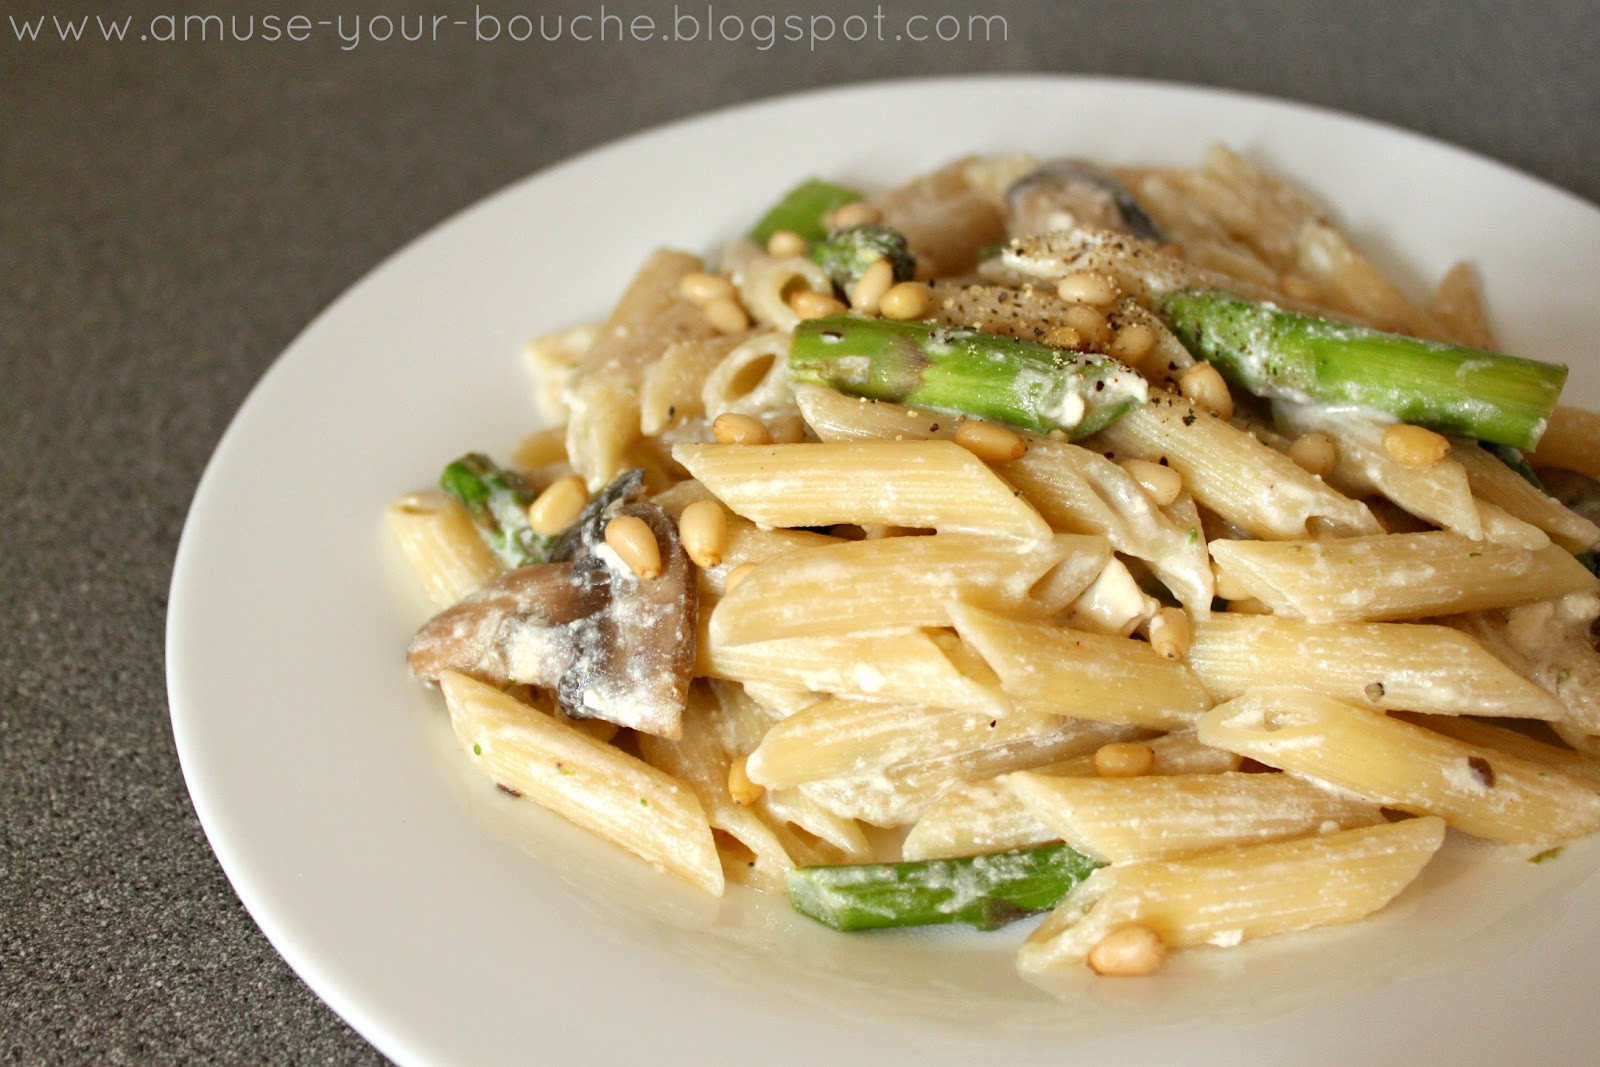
(477, 749)
(1547, 855)
(643, 803)
(1194, 536)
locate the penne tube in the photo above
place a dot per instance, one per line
(841, 738)
(1047, 668)
(1481, 791)
(905, 667)
(900, 582)
(1236, 894)
(670, 391)
(1121, 820)
(1387, 665)
(586, 781)
(1569, 441)
(984, 816)
(437, 538)
(1251, 485)
(1511, 742)
(1396, 576)
(919, 484)
(1499, 485)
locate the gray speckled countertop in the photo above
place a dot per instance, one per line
(171, 214)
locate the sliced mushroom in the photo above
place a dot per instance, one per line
(1064, 193)
(612, 645)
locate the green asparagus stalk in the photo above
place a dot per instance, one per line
(983, 374)
(846, 254)
(1450, 388)
(497, 499)
(801, 210)
(982, 891)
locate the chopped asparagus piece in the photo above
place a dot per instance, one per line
(847, 253)
(497, 499)
(982, 891)
(801, 210)
(1451, 388)
(998, 378)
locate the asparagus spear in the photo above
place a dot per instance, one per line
(801, 210)
(847, 253)
(982, 891)
(1451, 388)
(983, 374)
(497, 499)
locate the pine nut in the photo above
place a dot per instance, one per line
(731, 428)
(736, 575)
(703, 528)
(858, 213)
(787, 430)
(786, 243)
(741, 789)
(558, 506)
(1130, 951)
(1123, 759)
(870, 288)
(1090, 323)
(990, 441)
(1315, 453)
(1161, 484)
(1203, 384)
(1414, 446)
(1087, 287)
(725, 315)
(1062, 337)
(1132, 343)
(1170, 633)
(631, 538)
(702, 288)
(906, 300)
(810, 304)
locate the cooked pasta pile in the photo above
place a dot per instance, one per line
(1123, 539)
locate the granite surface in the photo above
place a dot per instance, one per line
(171, 214)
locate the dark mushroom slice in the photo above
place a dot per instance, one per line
(613, 646)
(519, 628)
(636, 658)
(1062, 193)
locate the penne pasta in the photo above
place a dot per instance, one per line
(1237, 894)
(586, 781)
(444, 549)
(1394, 763)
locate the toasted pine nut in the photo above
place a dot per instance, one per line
(1062, 337)
(1203, 384)
(810, 304)
(1132, 343)
(1130, 951)
(558, 506)
(631, 538)
(1123, 759)
(1170, 633)
(785, 243)
(1414, 446)
(787, 430)
(731, 428)
(701, 288)
(1087, 287)
(870, 288)
(741, 789)
(906, 300)
(703, 528)
(736, 575)
(858, 213)
(725, 314)
(1090, 323)
(1161, 484)
(989, 441)
(1315, 453)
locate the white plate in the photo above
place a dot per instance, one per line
(449, 923)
